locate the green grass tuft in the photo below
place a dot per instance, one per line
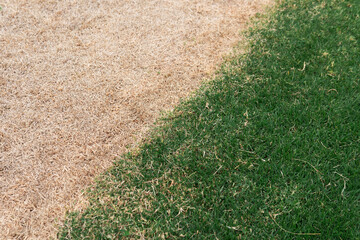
(268, 150)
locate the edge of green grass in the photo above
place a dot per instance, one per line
(270, 149)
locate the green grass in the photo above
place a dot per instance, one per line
(268, 150)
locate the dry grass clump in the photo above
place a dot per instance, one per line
(80, 80)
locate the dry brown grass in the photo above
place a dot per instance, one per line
(80, 80)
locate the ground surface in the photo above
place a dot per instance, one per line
(270, 149)
(81, 80)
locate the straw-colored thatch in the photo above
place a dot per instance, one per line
(82, 79)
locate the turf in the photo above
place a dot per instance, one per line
(269, 149)
(82, 80)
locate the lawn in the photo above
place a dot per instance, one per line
(269, 149)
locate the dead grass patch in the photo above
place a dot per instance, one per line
(81, 80)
